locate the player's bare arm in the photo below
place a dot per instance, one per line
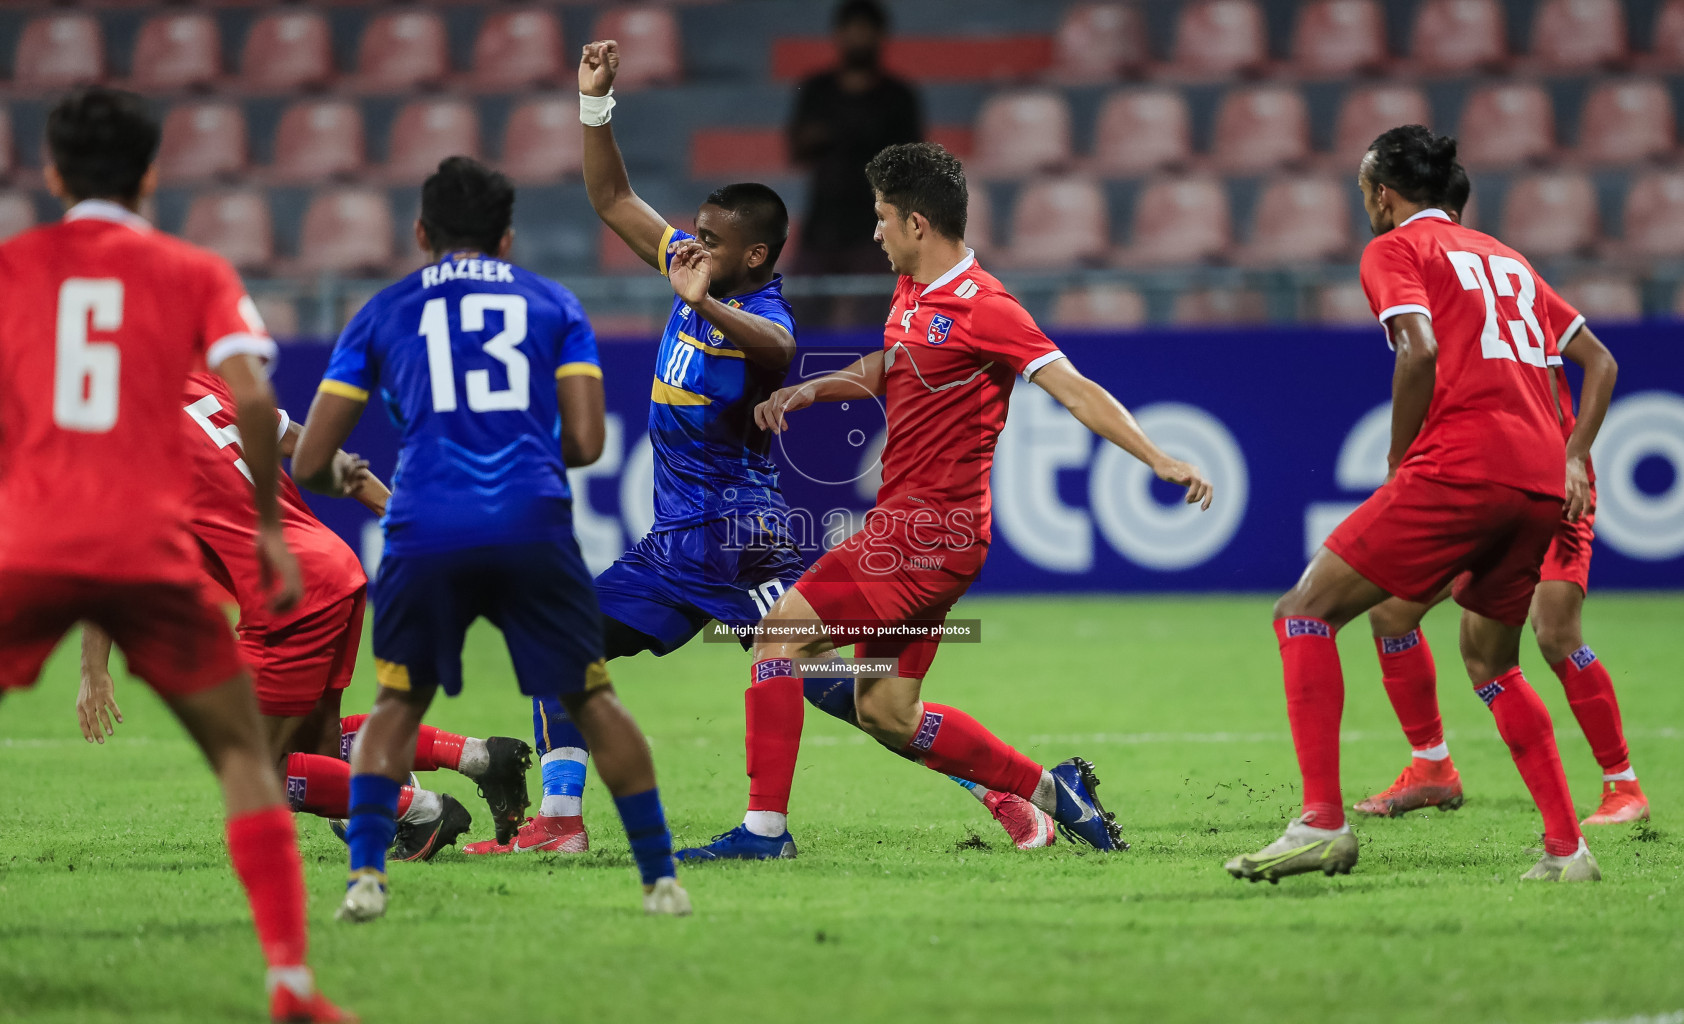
(1099, 411)
(1588, 351)
(364, 486)
(761, 341)
(315, 462)
(256, 413)
(96, 701)
(610, 191)
(583, 419)
(1412, 381)
(865, 376)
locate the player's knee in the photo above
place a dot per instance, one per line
(1557, 638)
(1385, 620)
(886, 721)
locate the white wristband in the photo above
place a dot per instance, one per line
(596, 110)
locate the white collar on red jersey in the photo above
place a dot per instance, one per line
(1440, 214)
(105, 209)
(958, 268)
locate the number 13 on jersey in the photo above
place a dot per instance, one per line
(504, 347)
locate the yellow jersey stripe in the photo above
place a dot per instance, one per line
(329, 386)
(665, 394)
(662, 257)
(712, 350)
(578, 370)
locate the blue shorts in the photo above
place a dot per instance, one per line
(672, 583)
(539, 594)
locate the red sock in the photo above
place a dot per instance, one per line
(1406, 667)
(1590, 693)
(348, 727)
(1524, 724)
(773, 706)
(953, 743)
(319, 785)
(264, 850)
(435, 749)
(1315, 701)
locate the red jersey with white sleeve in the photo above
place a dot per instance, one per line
(101, 319)
(951, 351)
(224, 518)
(1493, 416)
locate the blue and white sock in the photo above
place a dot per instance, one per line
(564, 782)
(374, 812)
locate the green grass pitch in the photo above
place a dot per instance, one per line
(116, 902)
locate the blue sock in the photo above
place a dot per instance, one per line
(835, 697)
(374, 820)
(563, 777)
(552, 729)
(646, 829)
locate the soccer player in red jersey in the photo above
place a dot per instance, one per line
(1406, 662)
(101, 319)
(952, 345)
(1476, 491)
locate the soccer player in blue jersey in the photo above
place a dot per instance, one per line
(491, 374)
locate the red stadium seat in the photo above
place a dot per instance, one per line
(1338, 37)
(318, 139)
(1141, 131)
(1458, 36)
(649, 48)
(202, 140)
(1219, 38)
(1059, 222)
(543, 141)
(1366, 113)
(401, 51)
(17, 214)
(287, 51)
(1203, 307)
(1577, 35)
(1100, 305)
(1668, 47)
(1019, 133)
(346, 230)
(1342, 304)
(235, 225)
(1180, 221)
(1301, 220)
(1506, 125)
(1098, 43)
(1605, 297)
(516, 49)
(1261, 128)
(176, 51)
(426, 132)
(1550, 215)
(1654, 216)
(1625, 122)
(59, 50)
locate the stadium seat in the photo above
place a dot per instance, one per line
(1506, 125)
(1261, 128)
(1654, 216)
(347, 230)
(1338, 37)
(427, 131)
(543, 141)
(1098, 43)
(1142, 130)
(649, 47)
(1579, 35)
(1667, 49)
(17, 214)
(202, 140)
(402, 51)
(236, 225)
(287, 51)
(1059, 222)
(979, 220)
(733, 152)
(59, 50)
(279, 314)
(318, 139)
(1100, 305)
(1300, 220)
(1179, 221)
(517, 49)
(1344, 304)
(1605, 297)
(1550, 215)
(1459, 36)
(1625, 122)
(1366, 113)
(1202, 307)
(1019, 133)
(1219, 38)
(176, 51)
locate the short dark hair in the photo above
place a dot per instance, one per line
(869, 11)
(1457, 192)
(102, 141)
(465, 204)
(761, 212)
(922, 177)
(1414, 162)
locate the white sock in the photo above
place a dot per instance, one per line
(770, 824)
(980, 792)
(1438, 753)
(561, 807)
(1046, 793)
(299, 980)
(425, 805)
(1629, 775)
(563, 768)
(475, 758)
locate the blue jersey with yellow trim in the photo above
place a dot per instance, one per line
(466, 354)
(710, 459)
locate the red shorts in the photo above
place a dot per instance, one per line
(170, 635)
(891, 574)
(1568, 558)
(1418, 533)
(293, 666)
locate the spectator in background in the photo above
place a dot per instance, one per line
(843, 118)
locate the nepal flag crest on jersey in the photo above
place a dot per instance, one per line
(939, 326)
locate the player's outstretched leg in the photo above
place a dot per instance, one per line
(427, 821)
(380, 762)
(497, 764)
(563, 757)
(1411, 681)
